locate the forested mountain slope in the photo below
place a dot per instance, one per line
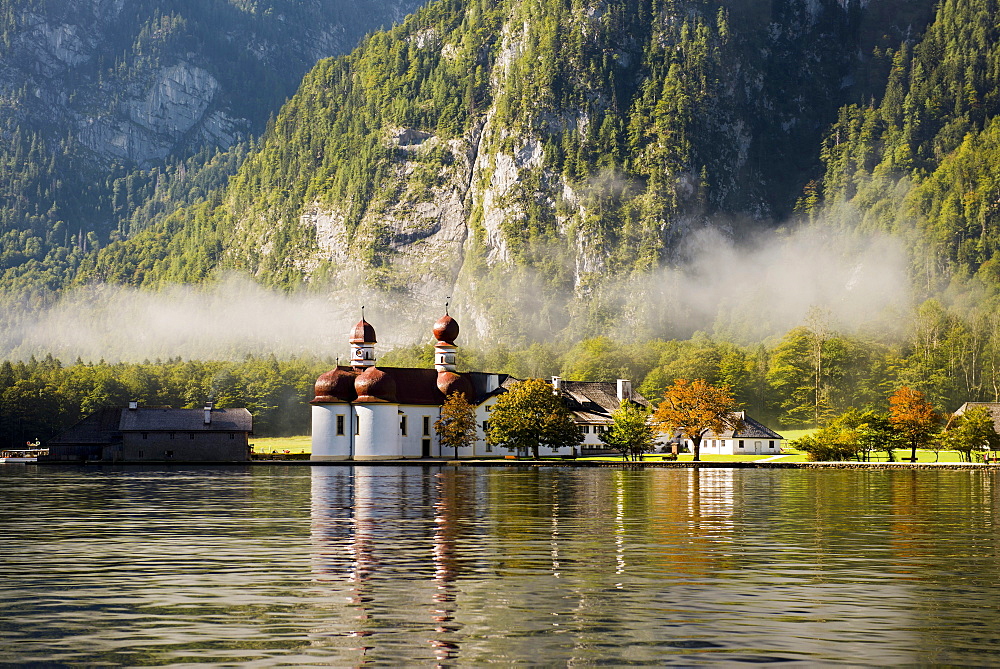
(112, 110)
(921, 160)
(522, 152)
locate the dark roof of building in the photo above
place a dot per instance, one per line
(105, 426)
(481, 384)
(185, 420)
(100, 427)
(590, 401)
(594, 401)
(994, 408)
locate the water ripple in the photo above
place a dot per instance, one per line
(455, 566)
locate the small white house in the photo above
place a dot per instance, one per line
(750, 438)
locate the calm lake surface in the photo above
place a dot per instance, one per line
(381, 565)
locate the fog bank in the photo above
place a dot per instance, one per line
(744, 291)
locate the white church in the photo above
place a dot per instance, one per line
(365, 412)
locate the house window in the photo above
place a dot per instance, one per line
(586, 429)
(140, 454)
(171, 435)
(427, 426)
(340, 425)
(191, 436)
(489, 447)
(770, 445)
(486, 426)
(145, 435)
(357, 427)
(402, 426)
(489, 407)
(741, 443)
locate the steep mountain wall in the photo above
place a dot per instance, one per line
(534, 156)
(112, 111)
(139, 80)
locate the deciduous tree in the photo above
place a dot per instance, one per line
(456, 428)
(973, 430)
(913, 417)
(530, 415)
(631, 434)
(695, 408)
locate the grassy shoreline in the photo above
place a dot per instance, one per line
(302, 445)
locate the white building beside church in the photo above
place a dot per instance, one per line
(749, 438)
(365, 412)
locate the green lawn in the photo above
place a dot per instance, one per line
(303, 445)
(282, 444)
(795, 434)
(789, 455)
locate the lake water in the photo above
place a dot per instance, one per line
(466, 566)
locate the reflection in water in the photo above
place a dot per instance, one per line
(445, 567)
(350, 565)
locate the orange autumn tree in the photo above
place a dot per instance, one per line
(456, 428)
(695, 408)
(913, 416)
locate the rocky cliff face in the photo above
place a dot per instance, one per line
(140, 80)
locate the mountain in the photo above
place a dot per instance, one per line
(921, 160)
(520, 153)
(103, 102)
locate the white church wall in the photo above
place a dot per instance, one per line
(327, 444)
(412, 443)
(378, 432)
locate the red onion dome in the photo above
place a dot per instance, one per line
(337, 385)
(363, 333)
(450, 382)
(446, 329)
(374, 385)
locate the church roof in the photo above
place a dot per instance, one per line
(419, 386)
(363, 333)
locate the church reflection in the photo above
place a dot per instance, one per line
(369, 533)
(445, 567)
(440, 554)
